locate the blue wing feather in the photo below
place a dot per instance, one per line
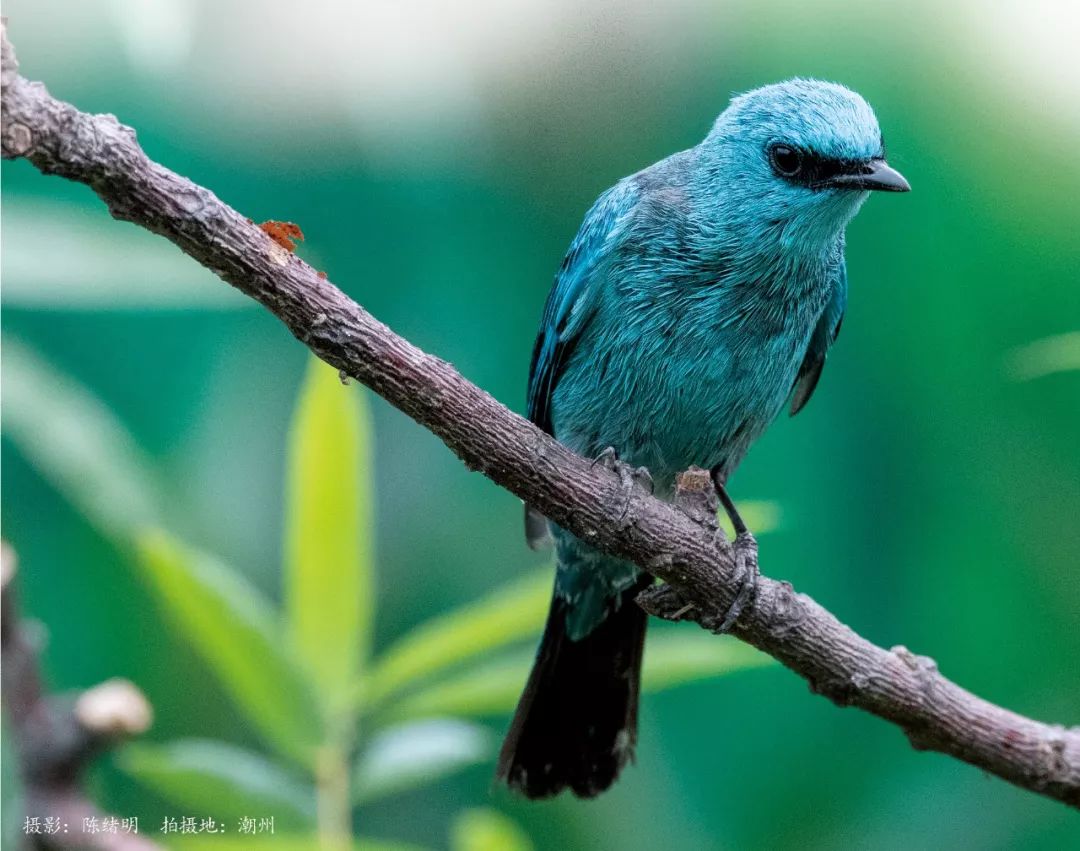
(824, 336)
(568, 311)
(571, 302)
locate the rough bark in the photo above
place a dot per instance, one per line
(672, 542)
(56, 735)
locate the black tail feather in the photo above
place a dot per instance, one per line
(576, 723)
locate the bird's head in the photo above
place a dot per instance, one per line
(798, 158)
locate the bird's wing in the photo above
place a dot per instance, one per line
(568, 310)
(824, 335)
(573, 297)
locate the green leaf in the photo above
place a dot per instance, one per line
(678, 655)
(673, 656)
(487, 830)
(1060, 353)
(420, 752)
(231, 626)
(77, 443)
(329, 532)
(486, 689)
(515, 611)
(82, 273)
(761, 516)
(222, 780)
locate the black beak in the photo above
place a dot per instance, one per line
(875, 174)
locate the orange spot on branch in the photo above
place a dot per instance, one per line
(283, 233)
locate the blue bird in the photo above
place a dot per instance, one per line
(699, 296)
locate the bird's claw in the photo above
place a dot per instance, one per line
(745, 552)
(642, 476)
(630, 477)
(745, 556)
(609, 459)
(667, 602)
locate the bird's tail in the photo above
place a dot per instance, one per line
(576, 723)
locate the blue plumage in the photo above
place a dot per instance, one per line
(699, 296)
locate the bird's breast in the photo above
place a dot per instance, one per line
(674, 377)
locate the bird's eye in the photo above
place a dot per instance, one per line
(785, 159)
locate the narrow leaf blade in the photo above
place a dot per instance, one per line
(329, 531)
(484, 690)
(82, 272)
(513, 612)
(678, 655)
(231, 626)
(1060, 353)
(417, 753)
(673, 657)
(222, 780)
(78, 444)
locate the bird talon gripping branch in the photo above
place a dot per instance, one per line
(609, 459)
(745, 552)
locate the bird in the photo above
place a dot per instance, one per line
(699, 298)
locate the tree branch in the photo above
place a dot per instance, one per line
(56, 736)
(589, 500)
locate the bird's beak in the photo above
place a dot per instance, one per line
(875, 174)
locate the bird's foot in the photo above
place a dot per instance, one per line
(669, 603)
(609, 458)
(630, 476)
(745, 552)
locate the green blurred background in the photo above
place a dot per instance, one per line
(439, 158)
